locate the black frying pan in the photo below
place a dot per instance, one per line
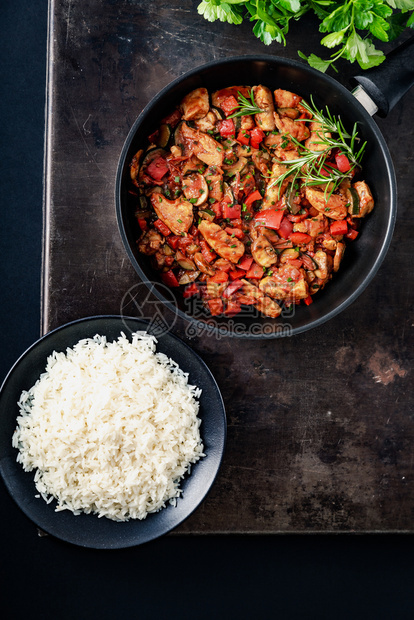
(385, 85)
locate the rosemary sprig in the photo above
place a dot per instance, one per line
(313, 167)
(246, 106)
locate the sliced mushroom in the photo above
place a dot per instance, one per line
(184, 262)
(203, 265)
(263, 252)
(322, 260)
(238, 166)
(214, 179)
(208, 122)
(188, 276)
(195, 188)
(134, 167)
(339, 254)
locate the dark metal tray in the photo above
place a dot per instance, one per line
(320, 435)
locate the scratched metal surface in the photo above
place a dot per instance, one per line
(320, 426)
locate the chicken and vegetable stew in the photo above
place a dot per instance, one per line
(248, 197)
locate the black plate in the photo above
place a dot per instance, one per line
(362, 258)
(89, 530)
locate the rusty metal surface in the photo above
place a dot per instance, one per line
(320, 426)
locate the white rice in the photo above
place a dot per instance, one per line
(111, 428)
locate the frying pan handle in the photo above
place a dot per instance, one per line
(389, 82)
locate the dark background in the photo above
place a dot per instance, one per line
(365, 576)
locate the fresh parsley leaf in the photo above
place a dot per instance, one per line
(333, 39)
(346, 24)
(397, 23)
(316, 62)
(379, 28)
(404, 5)
(338, 20)
(290, 5)
(211, 11)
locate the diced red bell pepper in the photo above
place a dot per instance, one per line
(219, 277)
(234, 232)
(243, 138)
(157, 168)
(298, 217)
(207, 253)
(270, 218)
(285, 228)
(245, 263)
(228, 105)
(255, 272)
(308, 300)
(163, 228)
(216, 207)
(231, 211)
(173, 241)
(232, 307)
(342, 162)
(339, 227)
(215, 305)
(256, 136)
(237, 273)
(169, 279)
(153, 136)
(232, 288)
(298, 238)
(143, 224)
(226, 128)
(352, 234)
(190, 290)
(173, 118)
(236, 222)
(256, 195)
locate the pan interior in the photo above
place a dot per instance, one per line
(362, 258)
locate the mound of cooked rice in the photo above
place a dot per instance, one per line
(110, 427)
